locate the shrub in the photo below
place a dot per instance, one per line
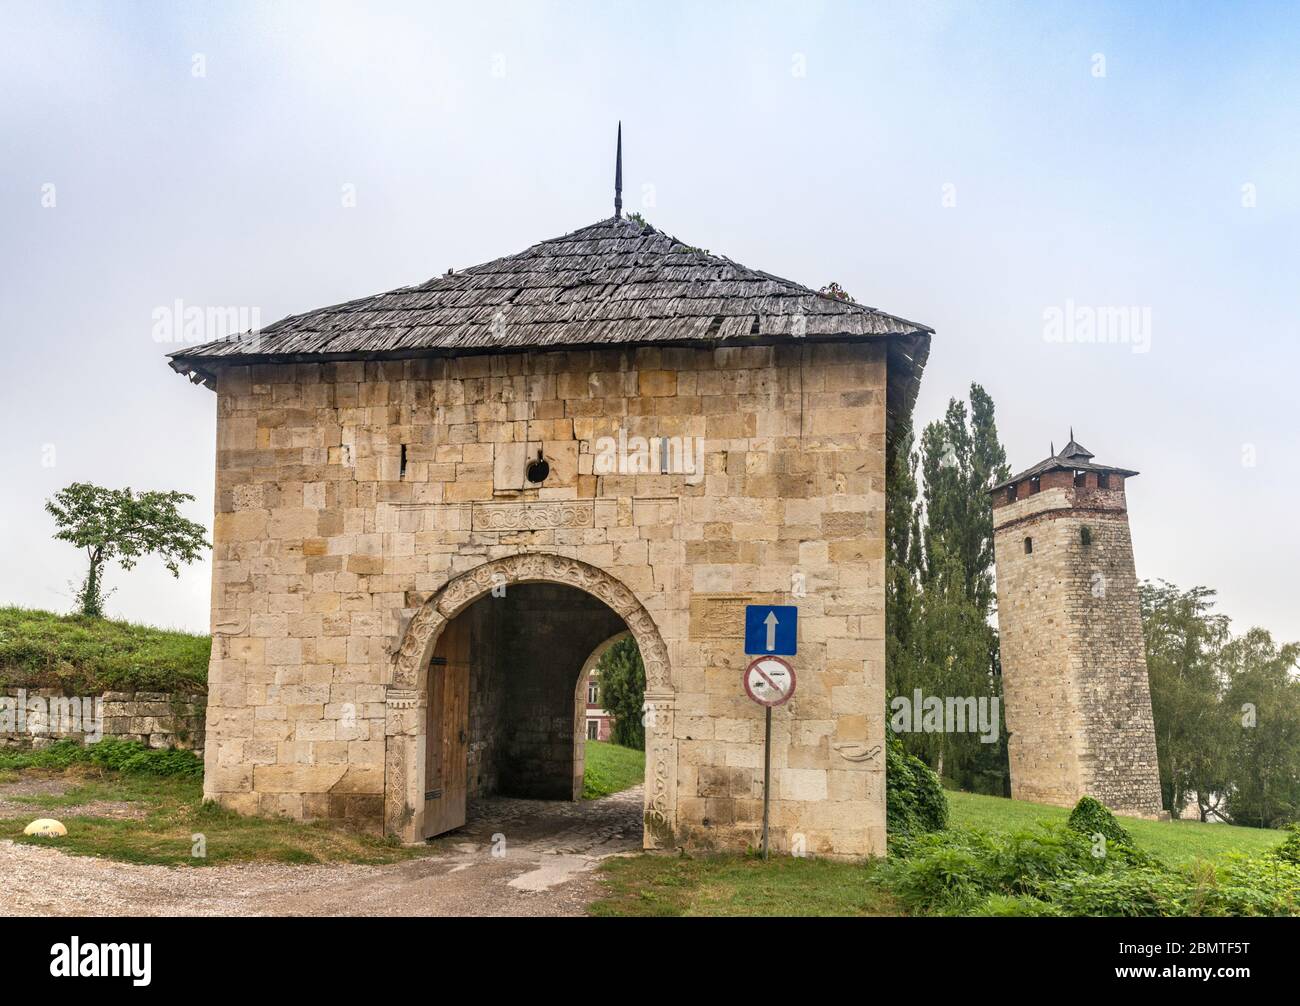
(1052, 870)
(127, 757)
(1289, 850)
(1242, 885)
(914, 797)
(1091, 817)
(940, 872)
(133, 758)
(1027, 860)
(1017, 906)
(1142, 891)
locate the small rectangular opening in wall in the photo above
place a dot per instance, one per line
(1011, 494)
(1103, 481)
(1035, 484)
(1080, 478)
(401, 474)
(1029, 546)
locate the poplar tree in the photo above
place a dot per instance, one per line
(939, 581)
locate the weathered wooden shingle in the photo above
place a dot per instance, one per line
(615, 283)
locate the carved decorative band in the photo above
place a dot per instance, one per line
(531, 516)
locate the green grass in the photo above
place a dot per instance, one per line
(174, 813)
(1172, 841)
(610, 768)
(739, 885)
(744, 885)
(39, 649)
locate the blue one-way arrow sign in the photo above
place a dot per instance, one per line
(771, 628)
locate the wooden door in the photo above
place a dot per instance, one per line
(446, 774)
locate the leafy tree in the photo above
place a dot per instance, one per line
(116, 525)
(951, 659)
(1262, 701)
(1226, 710)
(961, 459)
(1184, 637)
(902, 562)
(621, 675)
(939, 581)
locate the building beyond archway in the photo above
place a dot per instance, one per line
(595, 721)
(615, 411)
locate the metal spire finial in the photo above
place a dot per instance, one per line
(1052, 449)
(618, 174)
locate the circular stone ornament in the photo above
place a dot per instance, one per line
(46, 827)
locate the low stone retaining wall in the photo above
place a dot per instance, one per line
(33, 718)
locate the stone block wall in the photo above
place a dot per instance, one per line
(155, 719)
(349, 494)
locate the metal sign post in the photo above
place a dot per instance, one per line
(767, 774)
(769, 681)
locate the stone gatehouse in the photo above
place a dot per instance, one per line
(436, 505)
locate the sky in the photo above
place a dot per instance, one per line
(1017, 176)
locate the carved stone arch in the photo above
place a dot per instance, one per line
(406, 720)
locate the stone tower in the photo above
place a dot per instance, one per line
(1074, 672)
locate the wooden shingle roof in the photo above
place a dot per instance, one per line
(1073, 457)
(616, 283)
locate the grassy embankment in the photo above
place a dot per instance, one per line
(744, 885)
(610, 768)
(85, 656)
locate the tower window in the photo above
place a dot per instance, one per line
(1029, 546)
(1011, 494)
(401, 474)
(1035, 484)
(1079, 479)
(1085, 536)
(1103, 481)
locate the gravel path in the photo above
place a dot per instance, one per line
(540, 865)
(36, 784)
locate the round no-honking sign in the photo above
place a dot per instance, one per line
(769, 681)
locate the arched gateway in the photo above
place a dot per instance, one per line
(406, 721)
(621, 429)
